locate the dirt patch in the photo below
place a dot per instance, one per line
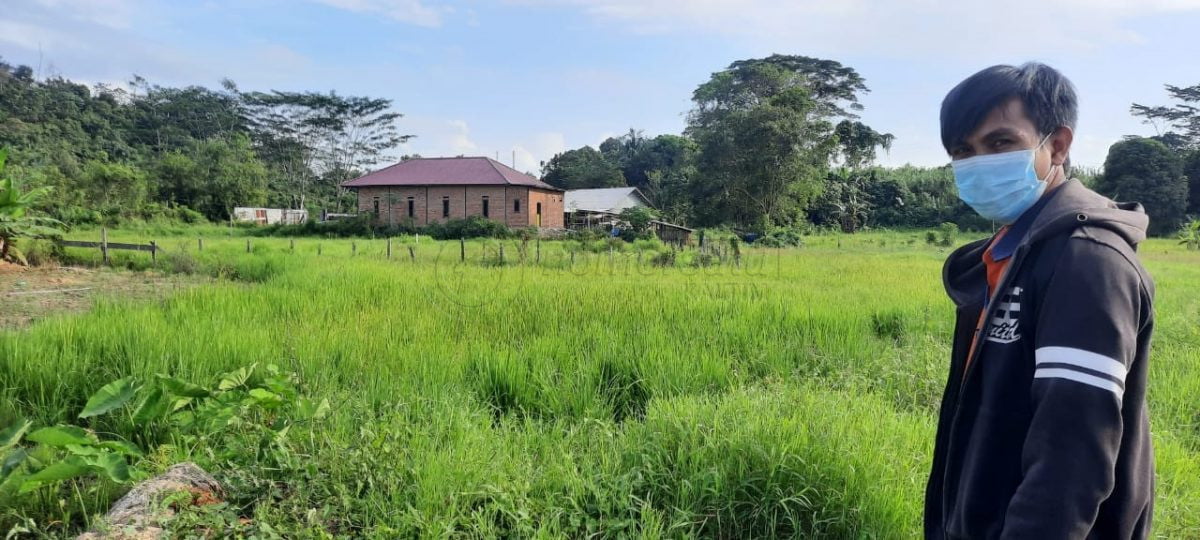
(28, 294)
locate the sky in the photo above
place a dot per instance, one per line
(525, 79)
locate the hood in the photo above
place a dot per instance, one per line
(1069, 206)
(1073, 205)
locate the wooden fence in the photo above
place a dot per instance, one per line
(105, 246)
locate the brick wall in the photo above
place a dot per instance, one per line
(495, 197)
(464, 201)
(518, 218)
(552, 208)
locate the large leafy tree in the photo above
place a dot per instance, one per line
(1145, 170)
(318, 140)
(582, 168)
(766, 132)
(1179, 124)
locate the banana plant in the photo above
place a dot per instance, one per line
(1190, 235)
(15, 221)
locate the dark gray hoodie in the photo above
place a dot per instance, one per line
(1043, 431)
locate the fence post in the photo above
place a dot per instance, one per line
(389, 247)
(501, 252)
(538, 249)
(318, 249)
(247, 245)
(412, 256)
(353, 248)
(462, 250)
(292, 245)
(153, 252)
(199, 244)
(104, 244)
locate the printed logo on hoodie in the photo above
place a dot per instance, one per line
(1004, 324)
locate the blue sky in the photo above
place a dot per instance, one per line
(536, 77)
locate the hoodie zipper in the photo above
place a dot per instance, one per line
(971, 361)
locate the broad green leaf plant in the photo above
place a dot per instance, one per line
(15, 221)
(263, 401)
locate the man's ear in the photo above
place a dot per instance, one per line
(1060, 145)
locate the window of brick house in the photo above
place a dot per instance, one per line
(539, 214)
(375, 206)
(516, 206)
(411, 207)
(485, 206)
(445, 207)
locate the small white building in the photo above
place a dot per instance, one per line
(270, 216)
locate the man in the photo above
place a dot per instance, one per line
(1043, 430)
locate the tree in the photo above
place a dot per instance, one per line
(15, 220)
(582, 168)
(1182, 119)
(1145, 170)
(323, 139)
(857, 142)
(765, 141)
(638, 218)
(1191, 169)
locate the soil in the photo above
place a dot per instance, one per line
(29, 294)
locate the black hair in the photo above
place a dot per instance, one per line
(1048, 96)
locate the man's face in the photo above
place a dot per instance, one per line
(1006, 129)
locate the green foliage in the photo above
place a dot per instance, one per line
(1183, 116)
(115, 155)
(469, 227)
(1146, 171)
(947, 234)
(1191, 169)
(1189, 235)
(638, 218)
(582, 168)
(15, 220)
(248, 400)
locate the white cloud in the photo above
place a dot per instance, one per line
(1016, 27)
(405, 11)
(459, 140)
(111, 13)
(34, 37)
(541, 147)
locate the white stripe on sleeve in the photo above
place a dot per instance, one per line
(1080, 377)
(1081, 358)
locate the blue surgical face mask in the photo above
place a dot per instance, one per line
(1000, 187)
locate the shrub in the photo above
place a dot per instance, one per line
(470, 227)
(946, 234)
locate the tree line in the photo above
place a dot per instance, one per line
(192, 153)
(776, 143)
(772, 143)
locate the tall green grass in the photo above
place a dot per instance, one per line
(790, 395)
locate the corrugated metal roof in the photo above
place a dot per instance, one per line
(603, 199)
(457, 171)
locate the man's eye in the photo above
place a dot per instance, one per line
(1001, 143)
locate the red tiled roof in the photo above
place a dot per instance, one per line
(458, 171)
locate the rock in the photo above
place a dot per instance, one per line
(139, 514)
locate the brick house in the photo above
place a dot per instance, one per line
(421, 191)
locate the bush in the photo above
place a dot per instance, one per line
(470, 227)
(946, 234)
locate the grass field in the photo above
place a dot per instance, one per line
(791, 395)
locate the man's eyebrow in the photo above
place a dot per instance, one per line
(1001, 132)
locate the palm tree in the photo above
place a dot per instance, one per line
(15, 221)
